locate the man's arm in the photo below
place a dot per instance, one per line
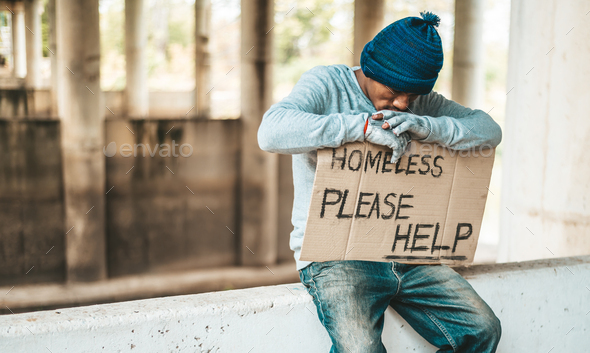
(297, 123)
(448, 123)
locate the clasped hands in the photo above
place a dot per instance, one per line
(396, 130)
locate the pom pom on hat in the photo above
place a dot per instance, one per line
(430, 18)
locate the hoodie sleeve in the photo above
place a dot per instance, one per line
(299, 124)
(455, 126)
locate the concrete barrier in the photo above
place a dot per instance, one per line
(544, 307)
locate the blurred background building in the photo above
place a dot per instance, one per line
(82, 223)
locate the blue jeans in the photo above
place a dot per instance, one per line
(351, 298)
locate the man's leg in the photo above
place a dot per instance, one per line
(443, 307)
(351, 298)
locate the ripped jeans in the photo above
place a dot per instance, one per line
(351, 298)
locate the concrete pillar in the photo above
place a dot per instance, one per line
(33, 43)
(19, 51)
(259, 170)
(546, 183)
(136, 32)
(468, 53)
(202, 65)
(81, 110)
(52, 41)
(368, 21)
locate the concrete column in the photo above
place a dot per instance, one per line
(33, 43)
(546, 183)
(52, 39)
(19, 51)
(136, 32)
(81, 110)
(202, 65)
(259, 170)
(468, 53)
(368, 21)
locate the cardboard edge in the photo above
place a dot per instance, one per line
(483, 210)
(477, 231)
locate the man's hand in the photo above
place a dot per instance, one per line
(417, 126)
(380, 136)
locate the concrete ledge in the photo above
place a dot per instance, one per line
(543, 305)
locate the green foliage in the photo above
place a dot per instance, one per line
(180, 28)
(304, 27)
(112, 30)
(112, 44)
(310, 33)
(45, 29)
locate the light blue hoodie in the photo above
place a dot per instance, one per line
(327, 108)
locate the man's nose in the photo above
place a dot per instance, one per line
(401, 101)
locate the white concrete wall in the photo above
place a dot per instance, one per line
(136, 89)
(19, 47)
(33, 43)
(545, 185)
(543, 305)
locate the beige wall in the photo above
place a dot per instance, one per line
(546, 183)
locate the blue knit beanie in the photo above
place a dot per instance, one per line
(407, 55)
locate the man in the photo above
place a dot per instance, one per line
(388, 101)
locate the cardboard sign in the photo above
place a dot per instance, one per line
(426, 209)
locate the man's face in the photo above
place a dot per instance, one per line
(387, 98)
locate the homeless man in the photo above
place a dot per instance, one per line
(389, 101)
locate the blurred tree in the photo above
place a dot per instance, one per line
(304, 27)
(180, 32)
(112, 44)
(45, 29)
(310, 33)
(112, 29)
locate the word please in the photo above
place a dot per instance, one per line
(342, 196)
